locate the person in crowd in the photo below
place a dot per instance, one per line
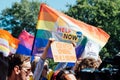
(43, 75)
(41, 67)
(86, 63)
(63, 74)
(45, 71)
(34, 62)
(3, 67)
(19, 67)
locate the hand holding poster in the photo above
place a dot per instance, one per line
(63, 52)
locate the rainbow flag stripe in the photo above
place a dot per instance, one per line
(8, 44)
(54, 24)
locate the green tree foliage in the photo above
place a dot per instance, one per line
(100, 13)
(20, 16)
(52, 64)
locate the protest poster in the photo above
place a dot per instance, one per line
(63, 52)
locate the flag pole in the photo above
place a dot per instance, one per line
(33, 42)
(35, 35)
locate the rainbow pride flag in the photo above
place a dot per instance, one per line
(54, 24)
(8, 44)
(26, 43)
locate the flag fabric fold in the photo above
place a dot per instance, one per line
(26, 43)
(8, 44)
(54, 24)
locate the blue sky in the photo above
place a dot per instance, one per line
(56, 4)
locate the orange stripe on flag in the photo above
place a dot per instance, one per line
(47, 14)
(12, 42)
(90, 30)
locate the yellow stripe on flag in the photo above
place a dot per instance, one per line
(50, 19)
(4, 49)
(45, 25)
(12, 42)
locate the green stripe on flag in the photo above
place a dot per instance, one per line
(43, 34)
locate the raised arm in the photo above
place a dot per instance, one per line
(44, 55)
(40, 64)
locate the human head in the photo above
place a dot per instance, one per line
(87, 63)
(63, 75)
(90, 63)
(19, 67)
(3, 67)
(34, 63)
(45, 69)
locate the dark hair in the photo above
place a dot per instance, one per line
(85, 63)
(60, 75)
(3, 67)
(16, 59)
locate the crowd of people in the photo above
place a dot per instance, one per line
(20, 67)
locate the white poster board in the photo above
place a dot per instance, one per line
(63, 52)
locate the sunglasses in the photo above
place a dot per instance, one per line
(26, 70)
